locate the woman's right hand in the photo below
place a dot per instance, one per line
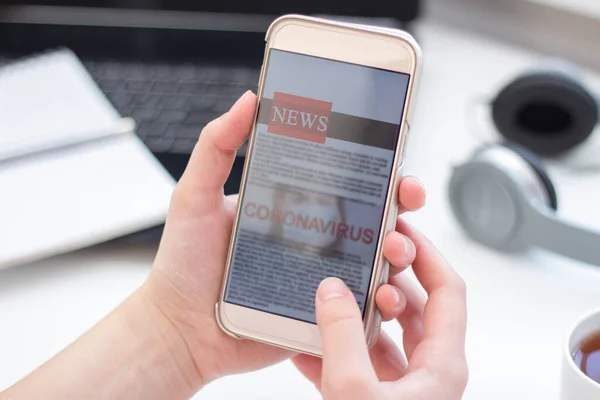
(433, 364)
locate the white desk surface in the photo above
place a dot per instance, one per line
(520, 306)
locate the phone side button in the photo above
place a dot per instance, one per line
(405, 139)
(386, 274)
(376, 329)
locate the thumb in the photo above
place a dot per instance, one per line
(345, 353)
(213, 156)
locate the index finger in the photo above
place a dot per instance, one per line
(346, 362)
(445, 314)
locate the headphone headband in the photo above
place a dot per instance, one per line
(500, 201)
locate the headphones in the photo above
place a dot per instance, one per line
(502, 196)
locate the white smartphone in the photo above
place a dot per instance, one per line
(318, 193)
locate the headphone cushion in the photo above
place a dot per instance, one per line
(548, 113)
(536, 164)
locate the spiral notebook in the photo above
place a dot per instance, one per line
(72, 171)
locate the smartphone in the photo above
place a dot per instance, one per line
(318, 192)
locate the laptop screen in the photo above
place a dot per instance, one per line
(403, 10)
(166, 30)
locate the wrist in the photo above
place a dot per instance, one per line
(165, 344)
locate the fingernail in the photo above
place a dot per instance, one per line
(396, 292)
(331, 288)
(400, 299)
(409, 250)
(238, 103)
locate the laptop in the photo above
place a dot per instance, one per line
(171, 65)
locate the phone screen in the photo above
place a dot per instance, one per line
(316, 182)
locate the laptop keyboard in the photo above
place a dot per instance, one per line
(172, 103)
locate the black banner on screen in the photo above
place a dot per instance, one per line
(349, 128)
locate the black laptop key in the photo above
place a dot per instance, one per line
(111, 70)
(210, 74)
(229, 90)
(199, 117)
(173, 101)
(172, 116)
(165, 87)
(174, 130)
(191, 132)
(203, 103)
(151, 128)
(243, 76)
(144, 114)
(159, 144)
(125, 111)
(146, 100)
(112, 85)
(119, 99)
(215, 89)
(138, 86)
(194, 88)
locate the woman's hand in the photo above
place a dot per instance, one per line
(163, 341)
(186, 279)
(433, 364)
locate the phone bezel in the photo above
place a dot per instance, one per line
(369, 46)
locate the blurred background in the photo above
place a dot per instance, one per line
(102, 101)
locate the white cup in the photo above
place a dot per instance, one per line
(575, 384)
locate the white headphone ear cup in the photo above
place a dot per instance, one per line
(500, 201)
(484, 208)
(489, 196)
